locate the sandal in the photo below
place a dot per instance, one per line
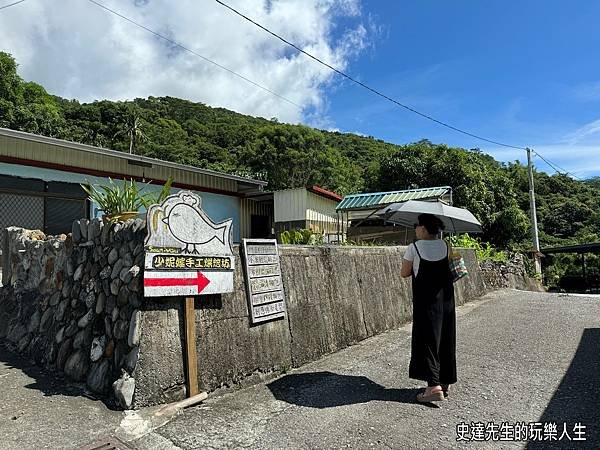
(445, 390)
(434, 396)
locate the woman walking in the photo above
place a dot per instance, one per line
(433, 351)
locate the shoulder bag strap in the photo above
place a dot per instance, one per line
(417, 249)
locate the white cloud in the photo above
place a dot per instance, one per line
(584, 133)
(587, 92)
(77, 50)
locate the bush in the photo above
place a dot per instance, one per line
(301, 237)
(484, 251)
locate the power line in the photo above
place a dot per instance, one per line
(376, 92)
(11, 4)
(556, 168)
(360, 83)
(194, 53)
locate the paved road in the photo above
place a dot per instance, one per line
(522, 357)
(38, 411)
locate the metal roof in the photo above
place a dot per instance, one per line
(134, 160)
(593, 247)
(381, 199)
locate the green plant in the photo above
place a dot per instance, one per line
(301, 237)
(116, 199)
(154, 198)
(485, 251)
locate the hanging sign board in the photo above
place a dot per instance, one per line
(264, 288)
(186, 253)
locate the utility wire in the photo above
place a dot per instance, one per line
(354, 80)
(552, 165)
(380, 94)
(11, 4)
(194, 53)
(556, 168)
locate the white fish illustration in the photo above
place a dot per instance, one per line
(190, 227)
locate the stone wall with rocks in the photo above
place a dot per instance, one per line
(510, 274)
(72, 303)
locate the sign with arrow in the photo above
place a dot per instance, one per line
(166, 284)
(187, 253)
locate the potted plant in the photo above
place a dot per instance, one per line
(123, 202)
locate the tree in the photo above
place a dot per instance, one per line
(11, 84)
(132, 126)
(292, 156)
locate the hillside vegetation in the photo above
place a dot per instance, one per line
(289, 156)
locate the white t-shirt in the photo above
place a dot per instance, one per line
(430, 250)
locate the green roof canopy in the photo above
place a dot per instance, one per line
(377, 200)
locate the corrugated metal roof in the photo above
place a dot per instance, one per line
(90, 157)
(380, 199)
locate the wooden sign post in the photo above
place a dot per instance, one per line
(186, 255)
(190, 346)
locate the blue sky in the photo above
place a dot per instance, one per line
(525, 73)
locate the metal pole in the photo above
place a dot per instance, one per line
(337, 216)
(534, 224)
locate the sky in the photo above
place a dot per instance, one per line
(523, 73)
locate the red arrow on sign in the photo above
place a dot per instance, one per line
(200, 280)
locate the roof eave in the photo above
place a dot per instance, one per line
(131, 159)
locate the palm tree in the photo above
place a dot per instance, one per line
(132, 126)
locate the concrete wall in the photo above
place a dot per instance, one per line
(335, 296)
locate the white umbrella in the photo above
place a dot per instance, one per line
(456, 220)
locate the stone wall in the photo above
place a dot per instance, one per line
(510, 274)
(72, 302)
(75, 304)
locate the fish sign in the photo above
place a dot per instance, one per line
(187, 253)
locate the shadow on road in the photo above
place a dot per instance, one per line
(577, 398)
(328, 390)
(47, 383)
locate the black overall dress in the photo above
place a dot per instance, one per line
(433, 357)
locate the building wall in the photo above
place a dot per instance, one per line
(320, 213)
(219, 207)
(299, 208)
(248, 208)
(290, 205)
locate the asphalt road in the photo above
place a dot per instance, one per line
(523, 358)
(39, 411)
(528, 360)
